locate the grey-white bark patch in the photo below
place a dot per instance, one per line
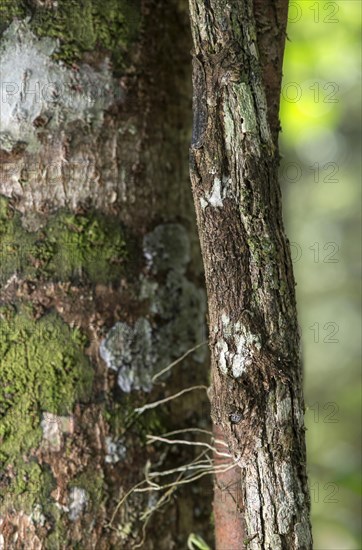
(167, 247)
(54, 427)
(235, 348)
(247, 108)
(282, 495)
(116, 450)
(34, 86)
(37, 516)
(302, 534)
(219, 192)
(138, 352)
(214, 198)
(79, 499)
(223, 350)
(128, 350)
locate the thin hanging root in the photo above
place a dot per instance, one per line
(169, 367)
(153, 438)
(155, 404)
(146, 516)
(171, 488)
(125, 497)
(122, 501)
(186, 468)
(195, 464)
(208, 468)
(212, 470)
(196, 430)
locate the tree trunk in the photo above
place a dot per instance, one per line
(100, 284)
(256, 392)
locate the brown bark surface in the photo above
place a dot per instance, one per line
(110, 160)
(256, 391)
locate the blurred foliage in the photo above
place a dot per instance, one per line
(321, 181)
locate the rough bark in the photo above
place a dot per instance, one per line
(100, 271)
(256, 391)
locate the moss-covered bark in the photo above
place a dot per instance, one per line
(100, 270)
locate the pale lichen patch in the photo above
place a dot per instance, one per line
(37, 516)
(128, 350)
(239, 360)
(137, 352)
(214, 198)
(116, 450)
(203, 203)
(219, 192)
(34, 87)
(235, 348)
(223, 351)
(225, 319)
(302, 535)
(247, 109)
(167, 247)
(54, 426)
(284, 410)
(78, 500)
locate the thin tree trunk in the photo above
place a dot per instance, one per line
(256, 391)
(100, 283)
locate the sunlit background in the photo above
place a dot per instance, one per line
(321, 179)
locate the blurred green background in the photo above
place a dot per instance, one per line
(321, 181)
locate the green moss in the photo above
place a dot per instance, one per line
(73, 244)
(93, 483)
(43, 368)
(30, 486)
(9, 10)
(82, 26)
(70, 246)
(13, 240)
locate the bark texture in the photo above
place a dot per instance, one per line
(100, 271)
(256, 392)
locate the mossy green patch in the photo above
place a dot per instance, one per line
(43, 368)
(93, 483)
(80, 26)
(70, 246)
(32, 485)
(9, 10)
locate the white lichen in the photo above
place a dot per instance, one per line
(33, 85)
(239, 359)
(203, 203)
(167, 247)
(223, 351)
(128, 350)
(37, 516)
(236, 356)
(116, 451)
(54, 427)
(137, 352)
(225, 319)
(78, 500)
(219, 192)
(214, 198)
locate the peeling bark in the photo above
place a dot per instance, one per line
(256, 391)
